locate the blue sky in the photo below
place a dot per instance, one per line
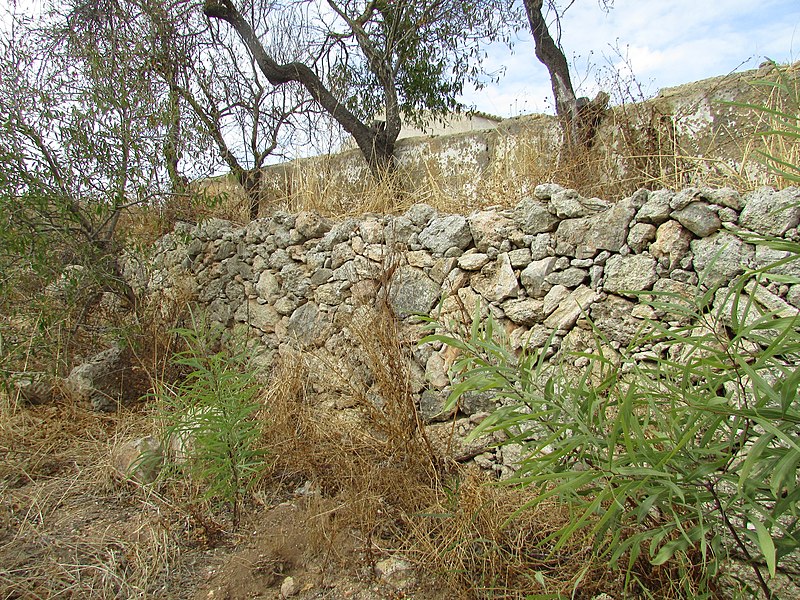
(667, 43)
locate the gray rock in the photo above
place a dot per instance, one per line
(532, 217)
(397, 573)
(261, 316)
(635, 272)
(311, 225)
(771, 213)
(420, 214)
(765, 256)
(720, 257)
(399, 231)
(614, 317)
(489, 229)
(582, 238)
(371, 231)
(412, 292)
(725, 196)
(569, 204)
(553, 298)
(341, 232)
(571, 308)
(472, 261)
(685, 197)
(524, 311)
(473, 403)
(657, 209)
(540, 245)
(436, 371)
(103, 381)
(496, 281)
(521, 257)
(570, 277)
(545, 191)
(139, 460)
(640, 236)
(534, 275)
(444, 233)
(308, 326)
(268, 286)
(698, 218)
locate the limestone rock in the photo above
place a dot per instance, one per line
(533, 217)
(307, 325)
(140, 459)
(102, 381)
(569, 204)
(614, 317)
(720, 257)
(640, 236)
(524, 311)
(635, 272)
(444, 233)
(411, 291)
(570, 277)
(489, 229)
(311, 225)
(771, 213)
(698, 218)
(534, 275)
(496, 281)
(657, 209)
(571, 308)
(472, 261)
(582, 238)
(420, 214)
(672, 243)
(397, 573)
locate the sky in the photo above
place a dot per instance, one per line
(663, 42)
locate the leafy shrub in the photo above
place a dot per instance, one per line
(685, 456)
(211, 419)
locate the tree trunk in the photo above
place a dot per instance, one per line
(373, 141)
(579, 121)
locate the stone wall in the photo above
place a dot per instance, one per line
(301, 282)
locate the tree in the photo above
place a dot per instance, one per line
(578, 115)
(402, 56)
(228, 103)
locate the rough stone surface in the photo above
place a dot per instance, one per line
(444, 233)
(101, 380)
(496, 281)
(533, 217)
(534, 275)
(698, 218)
(582, 238)
(413, 292)
(771, 213)
(630, 273)
(672, 244)
(571, 308)
(719, 258)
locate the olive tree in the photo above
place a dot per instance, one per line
(577, 114)
(401, 58)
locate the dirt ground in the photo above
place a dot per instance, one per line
(71, 528)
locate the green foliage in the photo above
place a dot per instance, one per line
(211, 419)
(682, 458)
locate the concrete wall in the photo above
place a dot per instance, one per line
(687, 135)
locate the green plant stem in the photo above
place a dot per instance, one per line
(769, 594)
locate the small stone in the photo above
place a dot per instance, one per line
(289, 588)
(698, 218)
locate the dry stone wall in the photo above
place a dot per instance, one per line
(542, 268)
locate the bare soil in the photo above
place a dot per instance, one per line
(71, 528)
